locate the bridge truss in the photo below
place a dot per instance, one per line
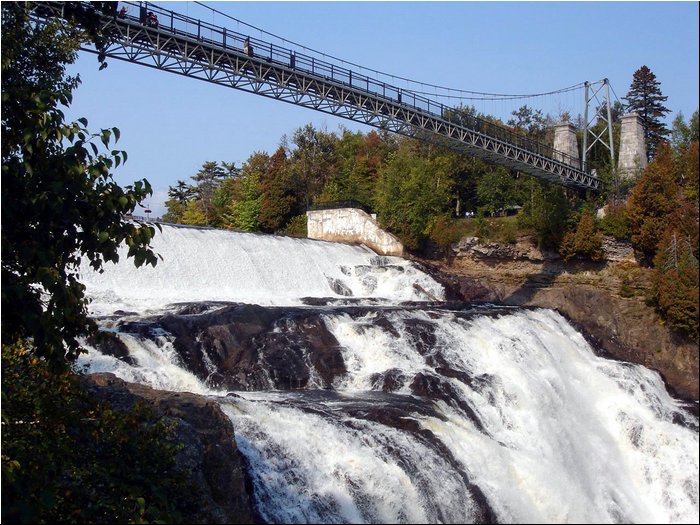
(196, 49)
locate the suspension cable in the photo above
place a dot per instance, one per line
(479, 95)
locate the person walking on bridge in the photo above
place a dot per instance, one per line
(247, 48)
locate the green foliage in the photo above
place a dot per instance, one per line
(59, 201)
(585, 241)
(645, 98)
(297, 226)
(445, 231)
(497, 191)
(69, 458)
(545, 213)
(411, 192)
(313, 161)
(684, 134)
(482, 226)
(616, 222)
(529, 121)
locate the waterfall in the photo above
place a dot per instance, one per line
(429, 414)
(201, 264)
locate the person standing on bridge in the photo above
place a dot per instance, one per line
(152, 20)
(247, 48)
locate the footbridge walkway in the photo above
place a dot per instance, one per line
(197, 49)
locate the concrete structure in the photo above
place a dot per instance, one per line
(565, 142)
(354, 226)
(633, 150)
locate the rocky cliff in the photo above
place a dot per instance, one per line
(209, 453)
(606, 300)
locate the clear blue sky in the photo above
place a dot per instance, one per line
(171, 124)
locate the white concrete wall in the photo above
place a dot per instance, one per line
(351, 225)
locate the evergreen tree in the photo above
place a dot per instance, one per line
(653, 200)
(280, 199)
(646, 99)
(208, 179)
(675, 278)
(586, 241)
(180, 194)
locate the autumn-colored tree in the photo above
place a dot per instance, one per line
(281, 199)
(651, 203)
(675, 278)
(645, 98)
(586, 241)
(689, 171)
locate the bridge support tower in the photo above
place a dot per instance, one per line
(565, 142)
(633, 152)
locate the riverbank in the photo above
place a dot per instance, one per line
(606, 300)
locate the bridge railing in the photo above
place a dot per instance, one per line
(229, 40)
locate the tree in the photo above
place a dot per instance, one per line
(684, 134)
(59, 201)
(585, 241)
(207, 180)
(280, 200)
(313, 161)
(243, 212)
(646, 99)
(412, 192)
(180, 194)
(529, 122)
(546, 212)
(675, 277)
(651, 203)
(497, 191)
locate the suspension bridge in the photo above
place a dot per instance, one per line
(187, 46)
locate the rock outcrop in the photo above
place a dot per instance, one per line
(588, 294)
(209, 453)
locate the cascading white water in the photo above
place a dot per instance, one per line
(202, 264)
(520, 408)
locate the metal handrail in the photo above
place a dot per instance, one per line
(231, 41)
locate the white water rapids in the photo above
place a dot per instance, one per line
(522, 407)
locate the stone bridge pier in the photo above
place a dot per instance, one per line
(633, 151)
(566, 145)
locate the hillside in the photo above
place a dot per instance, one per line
(608, 299)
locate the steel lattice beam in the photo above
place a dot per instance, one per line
(186, 55)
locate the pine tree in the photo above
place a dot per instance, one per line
(646, 99)
(208, 178)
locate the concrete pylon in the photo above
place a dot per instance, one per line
(565, 144)
(633, 150)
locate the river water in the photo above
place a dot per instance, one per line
(431, 413)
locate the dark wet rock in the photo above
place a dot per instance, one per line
(423, 335)
(438, 388)
(221, 484)
(109, 343)
(339, 287)
(249, 347)
(389, 381)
